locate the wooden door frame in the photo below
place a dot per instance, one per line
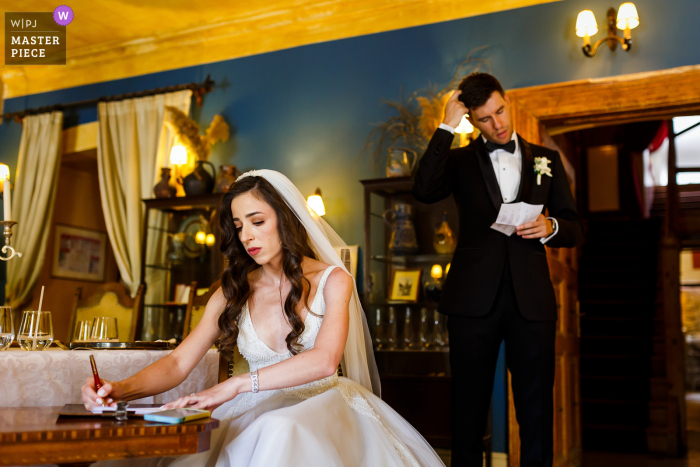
(558, 108)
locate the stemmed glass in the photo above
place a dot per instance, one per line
(7, 328)
(36, 330)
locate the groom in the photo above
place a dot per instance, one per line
(498, 287)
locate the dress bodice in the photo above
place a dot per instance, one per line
(258, 354)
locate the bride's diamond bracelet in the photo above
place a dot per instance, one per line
(254, 379)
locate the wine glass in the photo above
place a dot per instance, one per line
(7, 328)
(35, 331)
(104, 328)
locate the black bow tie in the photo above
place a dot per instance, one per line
(509, 146)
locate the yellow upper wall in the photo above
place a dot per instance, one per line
(115, 39)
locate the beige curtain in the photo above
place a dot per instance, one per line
(33, 201)
(132, 145)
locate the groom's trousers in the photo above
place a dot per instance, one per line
(474, 348)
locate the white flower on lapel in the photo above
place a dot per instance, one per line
(541, 168)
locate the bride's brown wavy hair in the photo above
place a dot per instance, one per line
(234, 281)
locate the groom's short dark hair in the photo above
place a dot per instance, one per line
(477, 88)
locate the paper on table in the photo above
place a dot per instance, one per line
(136, 410)
(512, 215)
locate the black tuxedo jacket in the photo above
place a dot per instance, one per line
(481, 254)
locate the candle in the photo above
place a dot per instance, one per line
(5, 177)
(6, 205)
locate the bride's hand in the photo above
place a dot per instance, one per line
(209, 399)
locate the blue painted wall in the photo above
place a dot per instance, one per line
(306, 111)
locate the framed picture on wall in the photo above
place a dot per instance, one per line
(79, 254)
(405, 284)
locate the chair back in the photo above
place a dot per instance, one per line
(195, 310)
(196, 306)
(112, 300)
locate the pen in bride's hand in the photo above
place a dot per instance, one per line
(98, 385)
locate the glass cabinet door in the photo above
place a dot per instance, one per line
(181, 248)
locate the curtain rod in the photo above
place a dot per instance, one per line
(198, 89)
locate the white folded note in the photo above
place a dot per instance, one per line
(512, 215)
(136, 410)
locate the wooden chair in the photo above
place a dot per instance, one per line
(110, 299)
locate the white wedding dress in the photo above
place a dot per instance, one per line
(330, 422)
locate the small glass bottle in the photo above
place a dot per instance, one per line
(409, 334)
(391, 329)
(438, 334)
(378, 330)
(423, 337)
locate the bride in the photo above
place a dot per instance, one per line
(293, 310)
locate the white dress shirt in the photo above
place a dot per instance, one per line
(508, 170)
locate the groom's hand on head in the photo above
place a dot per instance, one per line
(538, 229)
(454, 110)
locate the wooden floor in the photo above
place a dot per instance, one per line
(692, 458)
(616, 459)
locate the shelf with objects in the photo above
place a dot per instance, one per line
(408, 249)
(180, 246)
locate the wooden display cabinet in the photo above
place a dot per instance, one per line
(416, 380)
(170, 255)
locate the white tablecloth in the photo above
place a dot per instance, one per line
(54, 377)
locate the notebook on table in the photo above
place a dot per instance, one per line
(79, 410)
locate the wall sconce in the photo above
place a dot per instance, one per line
(7, 223)
(436, 272)
(464, 129)
(200, 237)
(447, 269)
(627, 19)
(203, 238)
(210, 240)
(316, 202)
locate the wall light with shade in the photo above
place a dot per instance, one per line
(464, 129)
(315, 201)
(436, 272)
(200, 237)
(210, 240)
(627, 19)
(178, 158)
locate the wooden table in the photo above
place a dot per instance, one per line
(35, 435)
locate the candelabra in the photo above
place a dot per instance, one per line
(7, 233)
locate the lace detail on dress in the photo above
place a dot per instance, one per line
(306, 391)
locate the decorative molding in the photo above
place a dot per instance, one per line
(203, 35)
(564, 107)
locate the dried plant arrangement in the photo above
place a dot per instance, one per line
(417, 116)
(187, 132)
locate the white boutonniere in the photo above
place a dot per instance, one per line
(541, 168)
